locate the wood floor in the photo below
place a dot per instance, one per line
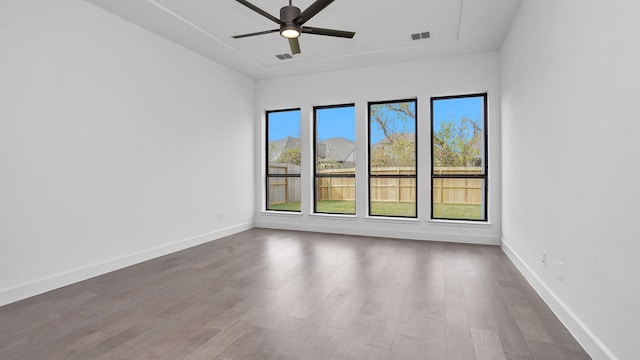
(270, 294)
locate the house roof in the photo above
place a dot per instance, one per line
(338, 149)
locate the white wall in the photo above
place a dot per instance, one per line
(422, 80)
(115, 146)
(571, 164)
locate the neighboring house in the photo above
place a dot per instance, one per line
(332, 153)
(336, 153)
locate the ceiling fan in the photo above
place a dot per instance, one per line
(291, 23)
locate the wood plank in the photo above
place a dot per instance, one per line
(323, 345)
(406, 347)
(459, 341)
(434, 340)
(487, 345)
(357, 336)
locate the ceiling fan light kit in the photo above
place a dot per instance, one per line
(288, 26)
(291, 23)
(289, 32)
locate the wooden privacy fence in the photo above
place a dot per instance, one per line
(283, 189)
(336, 188)
(398, 190)
(458, 191)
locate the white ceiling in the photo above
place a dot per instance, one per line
(383, 31)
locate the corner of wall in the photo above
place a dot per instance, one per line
(587, 338)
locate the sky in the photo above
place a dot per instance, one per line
(397, 122)
(332, 122)
(336, 122)
(456, 109)
(340, 121)
(283, 124)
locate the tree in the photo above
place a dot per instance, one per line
(386, 116)
(396, 121)
(456, 144)
(398, 150)
(290, 156)
(329, 164)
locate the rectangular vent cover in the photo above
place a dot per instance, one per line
(422, 35)
(284, 56)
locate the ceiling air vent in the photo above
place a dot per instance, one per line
(422, 35)
(284, 56)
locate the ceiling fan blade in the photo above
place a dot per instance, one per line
(295, 46)
(255, 33)
(327, 32)
(259, 11)
(312, 10)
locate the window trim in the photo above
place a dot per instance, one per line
(399, 176)
(316, 176)
(266, 169)
(484, 175)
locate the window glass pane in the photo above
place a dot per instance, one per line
(283, 138)
(283, 160)
(459, 163)
(459, 198)
(458, 135)
(283, 193)
(335, 159)
(335, 138)
(336, 195)
(392, 137)
(391, 196)
(392, 159)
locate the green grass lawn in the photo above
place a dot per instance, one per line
(463, 212)
(379, 208)
(290, 206)
(349, 207)
(327, 206)
(336, 207)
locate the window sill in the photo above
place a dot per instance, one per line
(333, 216)
(282, 213)
(458, 223)
(392, 219)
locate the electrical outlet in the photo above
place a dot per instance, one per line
(560, 271)
(220, 216)
(544, 258)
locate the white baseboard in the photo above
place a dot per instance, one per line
(394, 233)
(56, 281)
(589, 341)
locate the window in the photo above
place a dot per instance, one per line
(459, 157)
(335, 167)
(283, 160)
(392, 158)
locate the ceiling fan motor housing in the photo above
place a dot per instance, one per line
(288, 15)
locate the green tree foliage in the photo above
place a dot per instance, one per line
(329, 164)
(290, 156)
(456, 144)
(398, 150)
